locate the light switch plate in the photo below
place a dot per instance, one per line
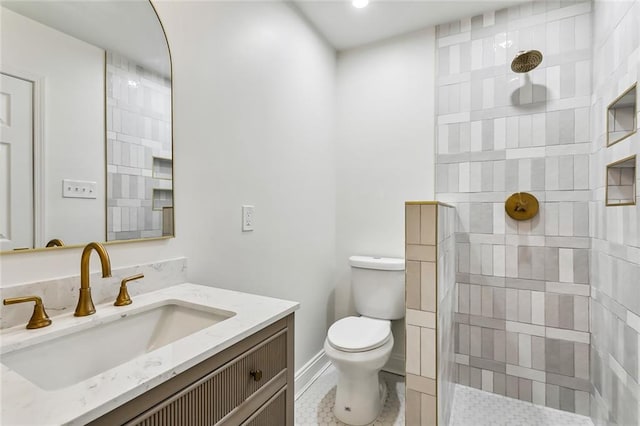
(78, 188)
(247, 218)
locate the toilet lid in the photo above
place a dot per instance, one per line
(359, 334)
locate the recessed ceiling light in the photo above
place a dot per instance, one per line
(359, 4)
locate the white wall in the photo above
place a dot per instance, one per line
(254, 102)
(384, 151)
(74, 120)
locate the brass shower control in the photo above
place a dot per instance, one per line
(123, 298)
(39, 318)
(521, 206)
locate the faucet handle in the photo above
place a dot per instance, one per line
(39, 318)
(123, 298)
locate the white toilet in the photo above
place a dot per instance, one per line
(360, 346)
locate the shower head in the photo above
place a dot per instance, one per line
(526, 60)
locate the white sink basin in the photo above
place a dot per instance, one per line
(80, 354)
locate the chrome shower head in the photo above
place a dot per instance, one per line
(526, 60)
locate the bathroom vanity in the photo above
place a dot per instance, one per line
(187, 354)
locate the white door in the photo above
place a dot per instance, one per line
(16, 163)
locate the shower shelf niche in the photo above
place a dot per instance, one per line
(621, 182)
(622, 119)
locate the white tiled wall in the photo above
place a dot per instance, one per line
(522, 310)
(615, 258)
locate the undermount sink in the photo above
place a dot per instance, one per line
(80, 354)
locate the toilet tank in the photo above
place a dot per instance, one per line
(377, 284)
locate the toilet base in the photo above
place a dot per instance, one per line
(359, 403)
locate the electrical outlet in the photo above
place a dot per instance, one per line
(78, 189)
(247, 218)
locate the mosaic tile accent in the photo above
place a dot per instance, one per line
(615, 256)
(472, 407)
(522, 314)
(430, 301)
(139, 153)
(315, 406)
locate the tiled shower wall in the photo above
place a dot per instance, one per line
(522, 321)
(615, 265)
(430, 300)
(138, 129)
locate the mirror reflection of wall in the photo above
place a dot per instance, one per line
(71, 111)
(68, 54)
(139, 156)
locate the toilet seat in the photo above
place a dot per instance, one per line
(359, 334)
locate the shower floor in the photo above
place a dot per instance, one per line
(471, 407)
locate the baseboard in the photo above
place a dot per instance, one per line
(395, 364)
(309, 372)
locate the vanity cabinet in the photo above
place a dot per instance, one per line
(250, 383)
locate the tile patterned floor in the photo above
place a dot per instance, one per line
(315, 405)
(471, 407)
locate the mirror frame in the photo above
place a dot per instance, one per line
(135, 240)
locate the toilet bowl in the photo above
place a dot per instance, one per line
(359, 347)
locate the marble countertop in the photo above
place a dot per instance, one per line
(24, 403)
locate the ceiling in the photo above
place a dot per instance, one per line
(346, 27)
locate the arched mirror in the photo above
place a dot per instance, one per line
(86, 148)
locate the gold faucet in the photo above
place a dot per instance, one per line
(85, 304)
(39, 318)
(123, 298)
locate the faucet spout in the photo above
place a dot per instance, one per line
(85, 303)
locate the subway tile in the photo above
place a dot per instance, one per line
(538, 358)
(499, 383)
(421, 253)
(571, 335)
(487, 343)
(567, 399)
(568, 382)
(526, 373)
(524, 350)
(429, 410)
(413, 349)
(428, 224)
(421, 384)
(552, 394)
(428, 353)
(475, 377)
(412, 221)
(512, 386)
(524, 306)
(559, 357)
(492, 323)
(565, 311)
(412, 279)
(428, 286)
(518, 327)
(524, 389)
(413, 407)
(475, 341)
(420, 318)
(487, 364)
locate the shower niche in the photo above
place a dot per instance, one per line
(621, 182)
(622, 116)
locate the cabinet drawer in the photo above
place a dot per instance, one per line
(216, 395)
(273, 412)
